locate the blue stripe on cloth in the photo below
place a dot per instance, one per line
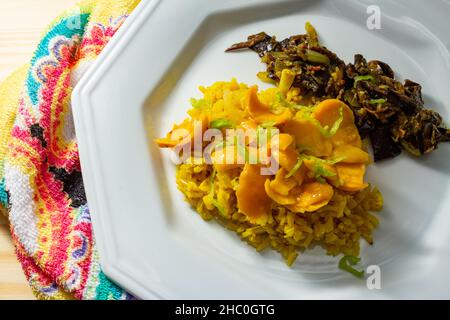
(108, 290)
(3, 194)
(63, 28)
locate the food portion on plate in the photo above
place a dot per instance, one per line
(390, 113)
(285, 167)
(316, 196)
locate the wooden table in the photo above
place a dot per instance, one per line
(21, 24)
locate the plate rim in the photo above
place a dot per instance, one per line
(80, 105)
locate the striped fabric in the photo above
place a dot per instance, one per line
(41, 187)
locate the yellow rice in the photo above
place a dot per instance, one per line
(337, 227)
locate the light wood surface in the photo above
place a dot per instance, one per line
(22, 22)
(13, 284)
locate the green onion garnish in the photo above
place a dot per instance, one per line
(219, 207)
(220, 145)
(211, 182)
(221, 124)
(299, 106)
(261, 131)
(329, 161)
(320, 171)
(312, 34)
(377, 101)
(363, 78)
(264, 77)
(336, 124)
(211, 194)
(294, 169)
(346, 264)
(279, 105)
(198, 103)
(279, 99)
(268, 124)
(325, 131)
(242, 151)
(316, 57)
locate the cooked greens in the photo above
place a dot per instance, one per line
(392, 114)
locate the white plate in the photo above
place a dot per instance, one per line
(154, 245)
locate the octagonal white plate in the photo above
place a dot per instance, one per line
(155, 246)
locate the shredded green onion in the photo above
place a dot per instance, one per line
(295, 168)
(298, 106)
(363, 78)
(268, 124)
(198, 103)
(211, 194)
(221, 124)
(222, 144)
(211, 182)
(336, 124)
(320, 172)
(279, 99)
(346, 264)
(377, 101)
(260, 130)
(312, 34)
(335, 160)
(235, 183)
(329, 161)
(279, 105)
(264, 77)
(316, 57)
(325, 131)
(219, 207)
(242, 150)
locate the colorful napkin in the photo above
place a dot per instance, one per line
(41, 187)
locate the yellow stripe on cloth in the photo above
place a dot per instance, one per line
(104, 9)
(10, 91)
(53, 239)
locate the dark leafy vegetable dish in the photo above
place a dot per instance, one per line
(392, 114)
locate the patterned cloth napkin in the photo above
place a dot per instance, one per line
(41, 187)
